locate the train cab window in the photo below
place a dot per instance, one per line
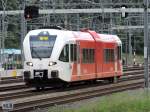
(109, 55)
(88, 55)
(119, 52)
(73, 52)
(64, 56)
(42, 45)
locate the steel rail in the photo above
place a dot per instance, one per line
(125, 79)
(78, 95)
(15, 91)
(31, 92)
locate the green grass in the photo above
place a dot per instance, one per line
(129, 101)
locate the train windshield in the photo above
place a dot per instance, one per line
(41, 46)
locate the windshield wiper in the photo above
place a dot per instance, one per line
(36, 54)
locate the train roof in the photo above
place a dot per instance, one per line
(77, 35)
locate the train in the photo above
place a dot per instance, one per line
(59, 57)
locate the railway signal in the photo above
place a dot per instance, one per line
(123, 10)
(31, 12)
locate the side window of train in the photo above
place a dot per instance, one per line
(119, 52)
(73, 52)
(64, 56)
(88, 55)
(109, 55)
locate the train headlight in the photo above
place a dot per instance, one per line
(29, 63)
(52, 63)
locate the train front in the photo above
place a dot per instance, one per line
(38, 46)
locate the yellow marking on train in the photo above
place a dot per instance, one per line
(44, 38)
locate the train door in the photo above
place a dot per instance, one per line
(115, 61)
(65, 62)
(109, 60)
(119, 61)
(75, 58)
(99, 59)
(87, 63)
(84, 67)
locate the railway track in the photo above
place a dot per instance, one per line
(51, 99)
(18, 79)
(10, 87)
(7, 95)
(6, 80)
(29, 99)
(132, 68)
(17, 83)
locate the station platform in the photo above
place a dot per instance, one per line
(10, 73)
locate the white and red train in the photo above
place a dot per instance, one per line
(54, 57)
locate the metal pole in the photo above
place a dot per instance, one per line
(103, 14)
(66, 21)
(3, 37)
(4, 4)
(23, 32)
(48, 16)
(0, 32)
(111, 23)
(45, 16)
(126, 54)
(146, 58)
(78, 22)
(130, 46)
